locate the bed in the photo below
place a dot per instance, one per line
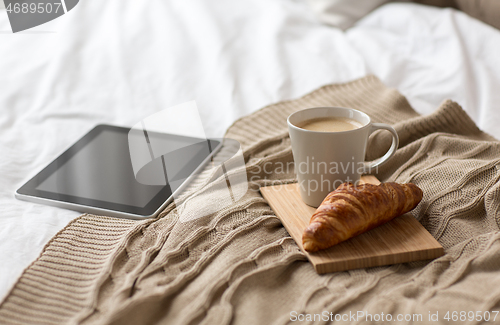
(117, 62)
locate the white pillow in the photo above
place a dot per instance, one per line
(343, 13)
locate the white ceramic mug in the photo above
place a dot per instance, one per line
(325, 160)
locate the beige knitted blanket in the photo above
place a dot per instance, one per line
(240, 266)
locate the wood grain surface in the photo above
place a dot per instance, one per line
(401, 240)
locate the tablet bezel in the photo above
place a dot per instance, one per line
(29, 191)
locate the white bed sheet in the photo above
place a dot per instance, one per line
(118, 61)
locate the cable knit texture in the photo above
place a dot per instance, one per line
(240, 266)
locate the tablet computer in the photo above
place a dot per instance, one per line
(96, 175)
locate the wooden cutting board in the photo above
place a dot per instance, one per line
(401, 240)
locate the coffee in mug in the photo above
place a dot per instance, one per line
(329, 146)
(330, 124)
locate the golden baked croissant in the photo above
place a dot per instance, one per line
(352, 210)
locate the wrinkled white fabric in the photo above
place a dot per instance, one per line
(431, 54)
(119, 61)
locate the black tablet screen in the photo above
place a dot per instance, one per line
(102, 170)
(97, 171)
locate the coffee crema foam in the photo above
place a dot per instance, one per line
(330, 124)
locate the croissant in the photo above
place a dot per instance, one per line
(352, 210)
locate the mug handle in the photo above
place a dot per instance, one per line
(395, 143)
